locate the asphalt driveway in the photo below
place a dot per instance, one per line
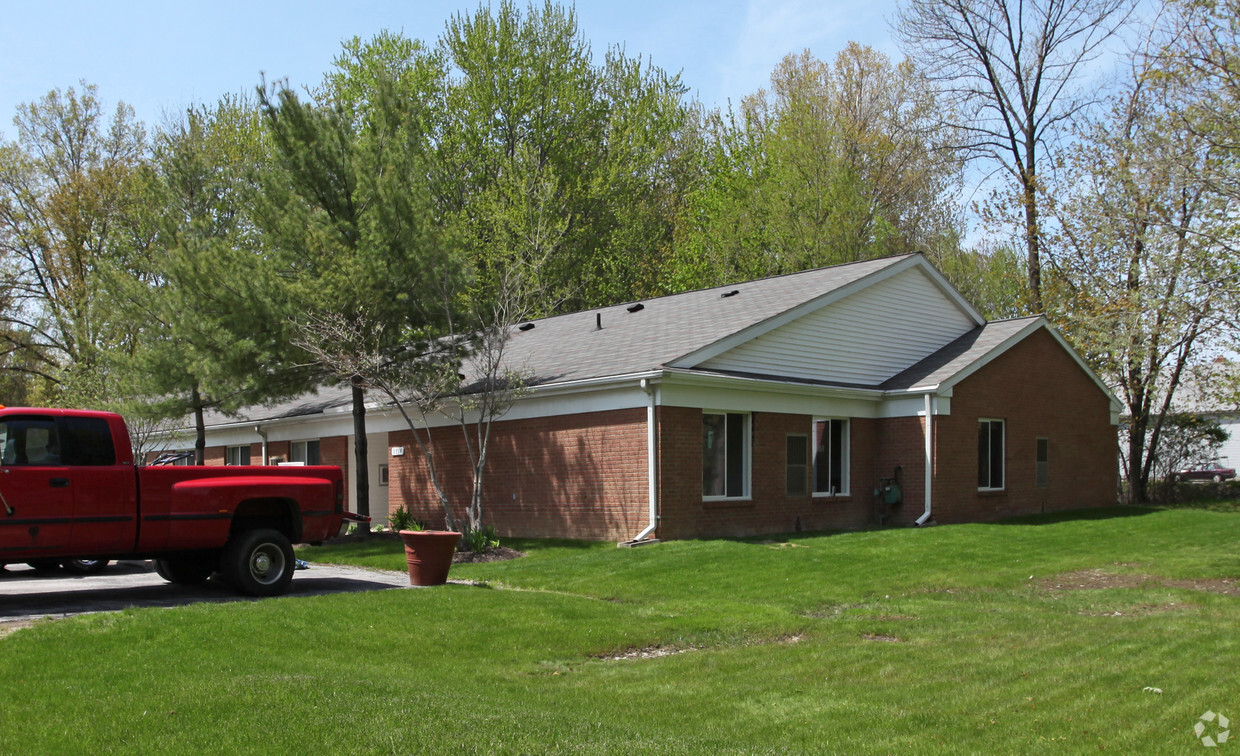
(27, 594)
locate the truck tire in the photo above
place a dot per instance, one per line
(84, 566)
(259, 562)
(185, 570)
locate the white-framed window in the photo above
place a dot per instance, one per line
(1042, 467)
(990, 445)
(237, 455)
(383, 475)
(305, 452)
(725, 455)
(796, 452)
(830, 457)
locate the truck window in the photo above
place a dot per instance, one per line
(88, 442)
(30, 441)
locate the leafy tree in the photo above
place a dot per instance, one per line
(211, 317)
(525, 102)
(1146, 277)
(991, 279)
(349, 209)
(1202, 61)
(1010, 72)
(834, 163)
(71, 195)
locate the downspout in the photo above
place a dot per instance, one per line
(929, 435)
(263, 435)
(652, 491)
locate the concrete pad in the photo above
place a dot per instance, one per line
(27, 594)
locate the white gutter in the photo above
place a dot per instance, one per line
(652, 491)
(929, 434)
(263, 435)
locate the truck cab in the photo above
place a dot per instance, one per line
(67, 484)
(70, 492)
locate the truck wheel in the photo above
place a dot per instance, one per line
(259, 562)
(84, 566)
(185, 570)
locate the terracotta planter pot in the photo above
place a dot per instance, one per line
(429, 555)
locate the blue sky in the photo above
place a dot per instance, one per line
(162, 56)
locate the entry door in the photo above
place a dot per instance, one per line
(37, 508)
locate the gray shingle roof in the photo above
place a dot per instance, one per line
(572, 347)
(958, 355)
(634, 340)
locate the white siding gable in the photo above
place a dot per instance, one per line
(864, 338)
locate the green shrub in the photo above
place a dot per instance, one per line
(401, 519)
(478, 540)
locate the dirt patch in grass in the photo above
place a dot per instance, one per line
(1140, 610)
(655, 652)
(497, 554)
(1098, 579)
(9, 627)
(649, 652)
(881, 638)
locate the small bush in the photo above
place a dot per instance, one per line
(478, 540)
(401, 519)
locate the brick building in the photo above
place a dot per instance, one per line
(834, 398)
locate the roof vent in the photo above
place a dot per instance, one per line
(598, 321)
(732, 293)
(637, 307)
(525, 327)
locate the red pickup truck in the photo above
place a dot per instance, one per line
(70, 491)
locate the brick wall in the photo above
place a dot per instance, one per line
(1038, 391)
(279, 449)
(580, 476)
(902, 443)
(769, 509)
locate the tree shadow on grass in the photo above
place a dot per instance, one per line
(1075, 515)
(1050, 518)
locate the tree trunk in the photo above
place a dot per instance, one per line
(200, 431)
(361, 462)
(1138, 483)
(1033, 242)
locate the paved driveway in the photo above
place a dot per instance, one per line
(27, 594)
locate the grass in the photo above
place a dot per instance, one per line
(1029, 637)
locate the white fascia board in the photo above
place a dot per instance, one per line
(914, 405)
(746, 394)
(710, 351)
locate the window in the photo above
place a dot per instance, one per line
(32, 442)
(830, 457)
(990, 455)
(1042, 467)
(88, 441)
(797, 448)
(305, 452)
(237, 455)
(725, 455)
(383, 475)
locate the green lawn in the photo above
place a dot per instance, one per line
(1034, 637)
